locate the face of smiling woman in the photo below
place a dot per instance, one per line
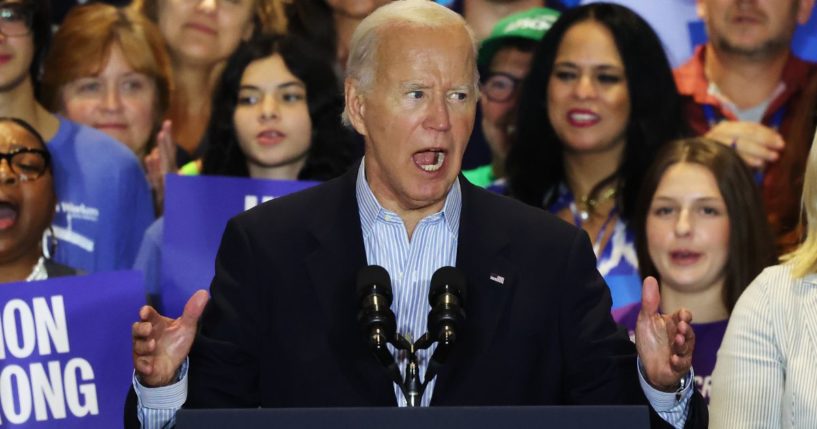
(588, 98)
(118, 101)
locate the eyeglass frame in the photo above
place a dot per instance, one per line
(8, 156)
(513, 79)
(26, 12)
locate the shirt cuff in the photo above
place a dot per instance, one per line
(172, 396)
(665, 401)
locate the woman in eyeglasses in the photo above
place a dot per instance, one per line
(598, 102)
(104, 198)
(27, 202)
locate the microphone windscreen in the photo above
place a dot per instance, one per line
(373, 275)
(450, 276)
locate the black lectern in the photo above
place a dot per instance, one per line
(562, 417)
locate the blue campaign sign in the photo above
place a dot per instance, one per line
(805, 39)
(197, 209)
(65, 350)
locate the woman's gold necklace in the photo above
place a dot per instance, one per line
(587, 206)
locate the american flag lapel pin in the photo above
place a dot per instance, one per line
(497, 278)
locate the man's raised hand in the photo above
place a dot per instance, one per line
(664, 342)
(160, 344)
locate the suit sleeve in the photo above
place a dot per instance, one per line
(599, 357)
(224, 365)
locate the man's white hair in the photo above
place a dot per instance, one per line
(362, 63)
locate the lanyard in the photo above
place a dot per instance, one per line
(777, 120)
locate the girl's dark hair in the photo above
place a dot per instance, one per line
(751, 246)
(313, 20)
(40, 13)
(535, 166)
(332, 147)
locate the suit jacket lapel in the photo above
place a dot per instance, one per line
(490, 277)
(333, 266)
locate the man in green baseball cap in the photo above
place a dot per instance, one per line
(504, 60)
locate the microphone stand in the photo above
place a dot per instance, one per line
(410, 385)
(444, 335)
(412, 388)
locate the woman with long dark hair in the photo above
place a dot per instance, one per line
(598, 102)
(304, 104)
(276, 115)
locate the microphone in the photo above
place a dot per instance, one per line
(375, 315)
(447, 298)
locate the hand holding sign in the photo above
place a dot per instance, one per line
(160, 344)
(664, 342)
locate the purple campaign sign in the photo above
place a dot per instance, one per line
(65, 350)
(197, 209)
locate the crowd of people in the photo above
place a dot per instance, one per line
(691, 192)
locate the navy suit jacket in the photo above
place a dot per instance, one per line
(281, 329)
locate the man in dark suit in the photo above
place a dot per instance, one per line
(281, 328)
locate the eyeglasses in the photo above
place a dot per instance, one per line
(15, 19)
(499, 87)
(26, 163)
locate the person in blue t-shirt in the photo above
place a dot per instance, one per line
(103, 201)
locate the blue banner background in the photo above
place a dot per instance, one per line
(99, 311)
(197, 209)
(680, 29)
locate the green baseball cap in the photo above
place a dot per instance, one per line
(529, 24)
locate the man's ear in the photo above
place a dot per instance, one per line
(355, 105)
(804, 11)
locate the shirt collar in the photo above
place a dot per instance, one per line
(371, 210)
(691, 79)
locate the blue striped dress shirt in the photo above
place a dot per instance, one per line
(410, 263)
